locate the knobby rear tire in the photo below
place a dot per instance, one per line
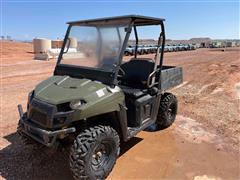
(167, 110)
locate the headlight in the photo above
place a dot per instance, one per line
(30, 96)
(76, 104)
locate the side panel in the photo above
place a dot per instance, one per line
(144, 109)
(171, 76)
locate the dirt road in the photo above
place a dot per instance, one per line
(203, 143)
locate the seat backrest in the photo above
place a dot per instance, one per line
(137, 71)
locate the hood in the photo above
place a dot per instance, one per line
(61, 89)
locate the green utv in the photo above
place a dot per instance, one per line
(94, 100)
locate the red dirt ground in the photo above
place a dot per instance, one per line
(202, 143)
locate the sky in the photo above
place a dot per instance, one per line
(185, 19)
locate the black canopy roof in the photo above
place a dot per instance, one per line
(138, 20)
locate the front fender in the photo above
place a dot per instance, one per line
(108, 103)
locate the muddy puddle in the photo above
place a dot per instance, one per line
(184, 151)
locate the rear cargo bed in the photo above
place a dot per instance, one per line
(171, 76)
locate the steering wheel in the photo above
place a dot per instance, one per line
(122, 72)
(151, 60)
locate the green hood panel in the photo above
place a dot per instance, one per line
(61, 89)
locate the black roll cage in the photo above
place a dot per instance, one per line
(110, 78)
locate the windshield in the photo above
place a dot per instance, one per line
(94, 46)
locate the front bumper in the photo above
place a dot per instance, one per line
(42, 136)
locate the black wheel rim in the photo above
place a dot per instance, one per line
(100, 156)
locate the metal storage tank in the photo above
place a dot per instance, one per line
(57, 43)
(73, 42)
(41, 45)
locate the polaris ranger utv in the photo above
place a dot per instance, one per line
(95, 100)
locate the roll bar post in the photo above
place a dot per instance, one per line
(136, 45)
